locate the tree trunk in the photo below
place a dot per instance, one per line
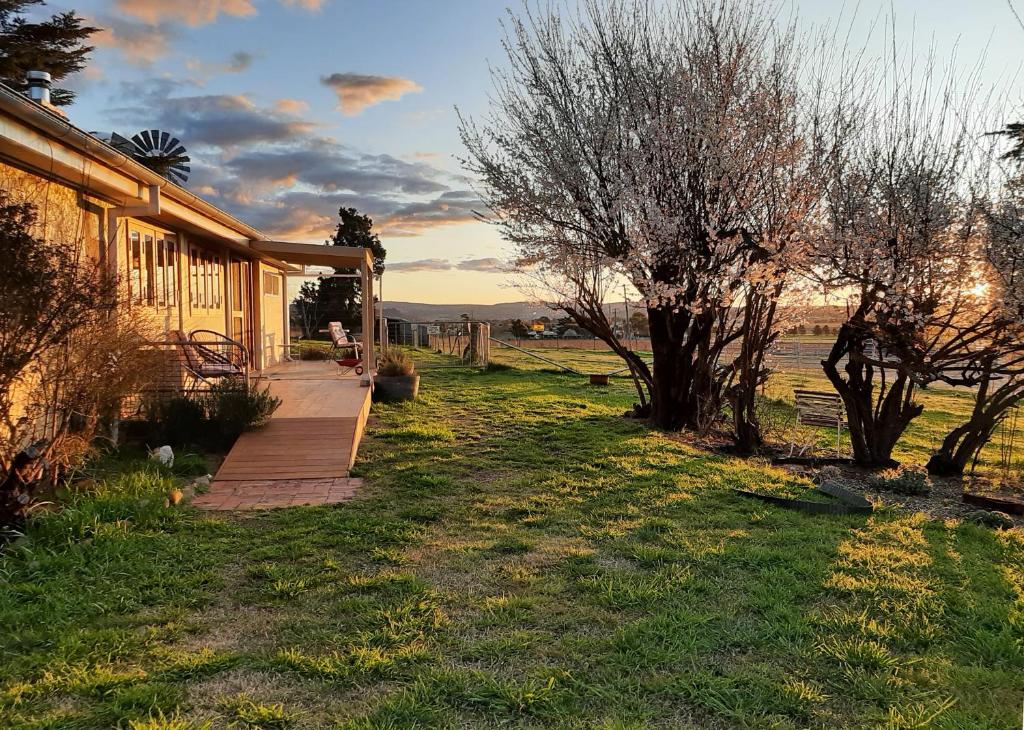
(746, 429)
(876, 422)
(686, 393)
(963, 443)
(748, 369)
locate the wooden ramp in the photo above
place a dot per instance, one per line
(304, 454)
(293, 448)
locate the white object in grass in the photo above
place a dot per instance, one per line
(164, 454)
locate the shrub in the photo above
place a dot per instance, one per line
(176, 421)
(312, 352)
(396, 363)
(911, 481)
(69, 354)
(212, 420)
(232, 408)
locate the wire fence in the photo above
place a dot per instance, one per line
(461, 344)
(788, 353)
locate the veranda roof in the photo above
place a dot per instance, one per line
(311, 254)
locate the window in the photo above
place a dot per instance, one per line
(170, 248)
(149, 280)
(161, 279)
(271, 284)
(236, 287)
(193, 268)
(135, 276)
(206, 280)
(152, 268)
(216, 283)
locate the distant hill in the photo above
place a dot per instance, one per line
(417, 312)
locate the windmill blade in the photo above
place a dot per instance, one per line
(162, 153)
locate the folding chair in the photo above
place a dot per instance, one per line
(341, 342)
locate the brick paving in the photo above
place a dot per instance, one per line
(273, 493)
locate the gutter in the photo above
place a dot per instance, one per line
(62, 130)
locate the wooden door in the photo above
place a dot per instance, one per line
(241, 303)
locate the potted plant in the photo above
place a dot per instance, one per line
(396, 378)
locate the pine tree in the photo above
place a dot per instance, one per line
(57, 45)
(1015, 133)
(339, 298)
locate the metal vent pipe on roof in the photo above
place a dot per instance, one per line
(38, 86)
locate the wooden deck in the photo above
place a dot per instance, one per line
(304, 454)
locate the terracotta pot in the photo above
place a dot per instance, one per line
(396, 387)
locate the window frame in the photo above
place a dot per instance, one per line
(153, 265)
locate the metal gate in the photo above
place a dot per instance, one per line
(442, 344)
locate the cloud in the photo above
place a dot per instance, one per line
(195, 13)
(192, 13)
(140, 44)
(85, 80)
(356, 92)
(421, 265)
(220, 120)
(325, 164)
(310, 5)
(237, 62)
(291, 106)
(266, 164)
(453, 206)
(489, 265)
(306, 215)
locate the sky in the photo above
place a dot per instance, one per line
(292, 108)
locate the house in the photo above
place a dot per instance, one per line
(185, 263)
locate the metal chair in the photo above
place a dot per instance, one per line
(210, 356)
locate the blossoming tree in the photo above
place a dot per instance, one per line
(993, 362)
(667, 147)
(899, 237)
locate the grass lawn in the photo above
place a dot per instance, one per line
(521, 556)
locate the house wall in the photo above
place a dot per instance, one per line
(204, 291)
(62, 216)
(273, 294)
(201, 274)
(72, 190)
